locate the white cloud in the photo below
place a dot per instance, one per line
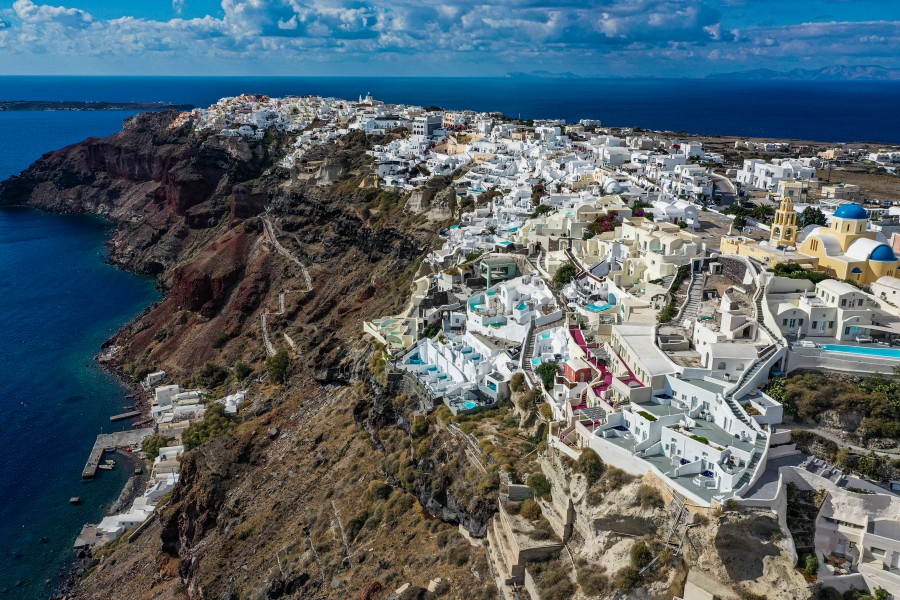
(573, 34)
(29, 12)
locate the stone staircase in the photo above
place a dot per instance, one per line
(752, 371)
(759, 447)
(776, 338)
(737, 411)
(691, 309)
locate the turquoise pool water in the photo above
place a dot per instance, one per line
(470, 405)
(596, 308)
(546, 336)
(522, 306)
(492, 292)
(873, 351)
(535, 361)
(505, 243)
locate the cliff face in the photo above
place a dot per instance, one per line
(313, 492)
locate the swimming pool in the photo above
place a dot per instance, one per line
(470, 405)
(596, 308)
(535, 361)
(870, 351)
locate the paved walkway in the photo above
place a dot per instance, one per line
(841, 443)
(272, 237)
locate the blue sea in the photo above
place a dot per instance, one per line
(812, 110)
(58, 303)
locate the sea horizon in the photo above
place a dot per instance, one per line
(774, 109)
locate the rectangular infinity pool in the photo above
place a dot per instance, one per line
(873, 351)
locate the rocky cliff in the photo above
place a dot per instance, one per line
(315, 490)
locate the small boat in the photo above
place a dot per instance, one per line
(138, 471)
(105, 467)
(110, 461)
(74, 500)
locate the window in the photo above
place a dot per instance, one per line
(814, 324)
(800, 322)
(830, 324)
(784, 322)
(846, 330)
(859, 302)
(843, 302)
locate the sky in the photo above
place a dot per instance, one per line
(679, 38)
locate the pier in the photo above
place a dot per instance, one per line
(128, 415)
(112, 441)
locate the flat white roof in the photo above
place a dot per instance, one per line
(640, 339)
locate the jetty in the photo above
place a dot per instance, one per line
(127, 415)
(110, 442)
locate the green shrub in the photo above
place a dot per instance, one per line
(552, 579)
(278, 366)
(242, 371)
(590, 465)
(530, 509)
(626, 579)
(419, 426)
(640, 554)
(378, 490)
(648, 497)
(539, 485)
(214, 424)
(458, 554)
(517, 382)
(810, 564)
(593, 581)
(221, 340)
(210, 376)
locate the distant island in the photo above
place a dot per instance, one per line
(833, 73)
(540, 74)
(20, 105)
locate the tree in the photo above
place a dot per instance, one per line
(811, 216)
(214, 424)
(547, 372)
(152, 444)
(740, 221)
(278, 366)
(564, 274)
(540, 210)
